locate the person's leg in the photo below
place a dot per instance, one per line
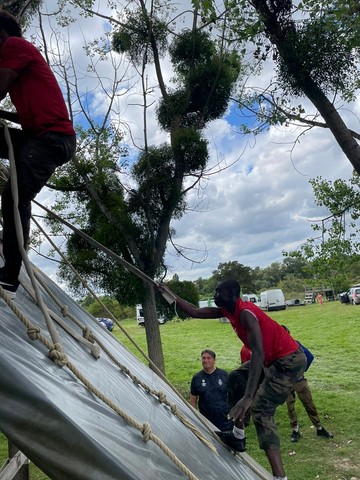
(304, 393)
(18, 139)
(236, 386)
(36, 161)
(290, 404)
(237, 381)
(274, 390)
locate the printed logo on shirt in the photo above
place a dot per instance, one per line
(220, 382)
(203, 382)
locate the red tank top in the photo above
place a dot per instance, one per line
(277, 343)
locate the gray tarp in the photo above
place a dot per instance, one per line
(69, 433)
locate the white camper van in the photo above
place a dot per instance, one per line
(140, 316)
(272, 300)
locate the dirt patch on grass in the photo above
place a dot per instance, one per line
(345, 465)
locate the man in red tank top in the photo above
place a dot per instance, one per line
(274, 351)
(46, 139)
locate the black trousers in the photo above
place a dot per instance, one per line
(36, 159)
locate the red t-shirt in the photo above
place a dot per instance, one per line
(277, 343)
(35, 94)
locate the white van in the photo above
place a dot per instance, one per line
(272, 300)
(251, 297)
(140, 316)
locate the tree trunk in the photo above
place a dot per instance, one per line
(152, 329)
(335, 123)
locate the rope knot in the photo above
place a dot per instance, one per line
(57, 355)
(161, 396)
(33, 332)
(173, 408)
(64, 310)
(146, 431)
(88, 334)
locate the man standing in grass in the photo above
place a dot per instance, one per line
(272, 349)
(209, 391)
(303, 391)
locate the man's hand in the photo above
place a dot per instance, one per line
(169, 296)
(239, 410)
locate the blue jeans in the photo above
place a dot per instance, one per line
(36, 158)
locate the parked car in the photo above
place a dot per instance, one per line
(107, 323)
(140, 316)
(354, 294)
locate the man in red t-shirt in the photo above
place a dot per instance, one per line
(45, 141)
(274, 351)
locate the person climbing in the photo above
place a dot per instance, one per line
(273, 350)
(46, 139)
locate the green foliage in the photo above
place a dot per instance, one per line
(191, 49)
(189, 145)
(120, 312)
(332, 254)
(154, 172)
(239, 272)
(206, 77)
(186, 290)
(316, 50)
(137, 34)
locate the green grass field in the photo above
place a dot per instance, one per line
(331, 332)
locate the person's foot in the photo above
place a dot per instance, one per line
(231, 441)
(321, 432)
(10, 285)
(295, 436)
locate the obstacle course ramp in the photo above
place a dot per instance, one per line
(70, 434)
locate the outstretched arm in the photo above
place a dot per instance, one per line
(188, 308)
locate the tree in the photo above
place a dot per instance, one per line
(315, 47)
(236, 270)
(334, 252)
(133, 217)
(184, 289)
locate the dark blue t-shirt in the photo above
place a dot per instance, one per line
(212, 392)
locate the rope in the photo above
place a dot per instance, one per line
(20, 237)
(159, 394)
(100, 246)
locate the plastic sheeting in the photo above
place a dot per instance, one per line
(69, 433)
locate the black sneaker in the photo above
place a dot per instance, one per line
(295, 436)
(9, 285)
(231, 441)
(321, 432)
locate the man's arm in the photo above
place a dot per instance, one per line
(7, 78)
(254, 340)
(188, 308)
(193, 400)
